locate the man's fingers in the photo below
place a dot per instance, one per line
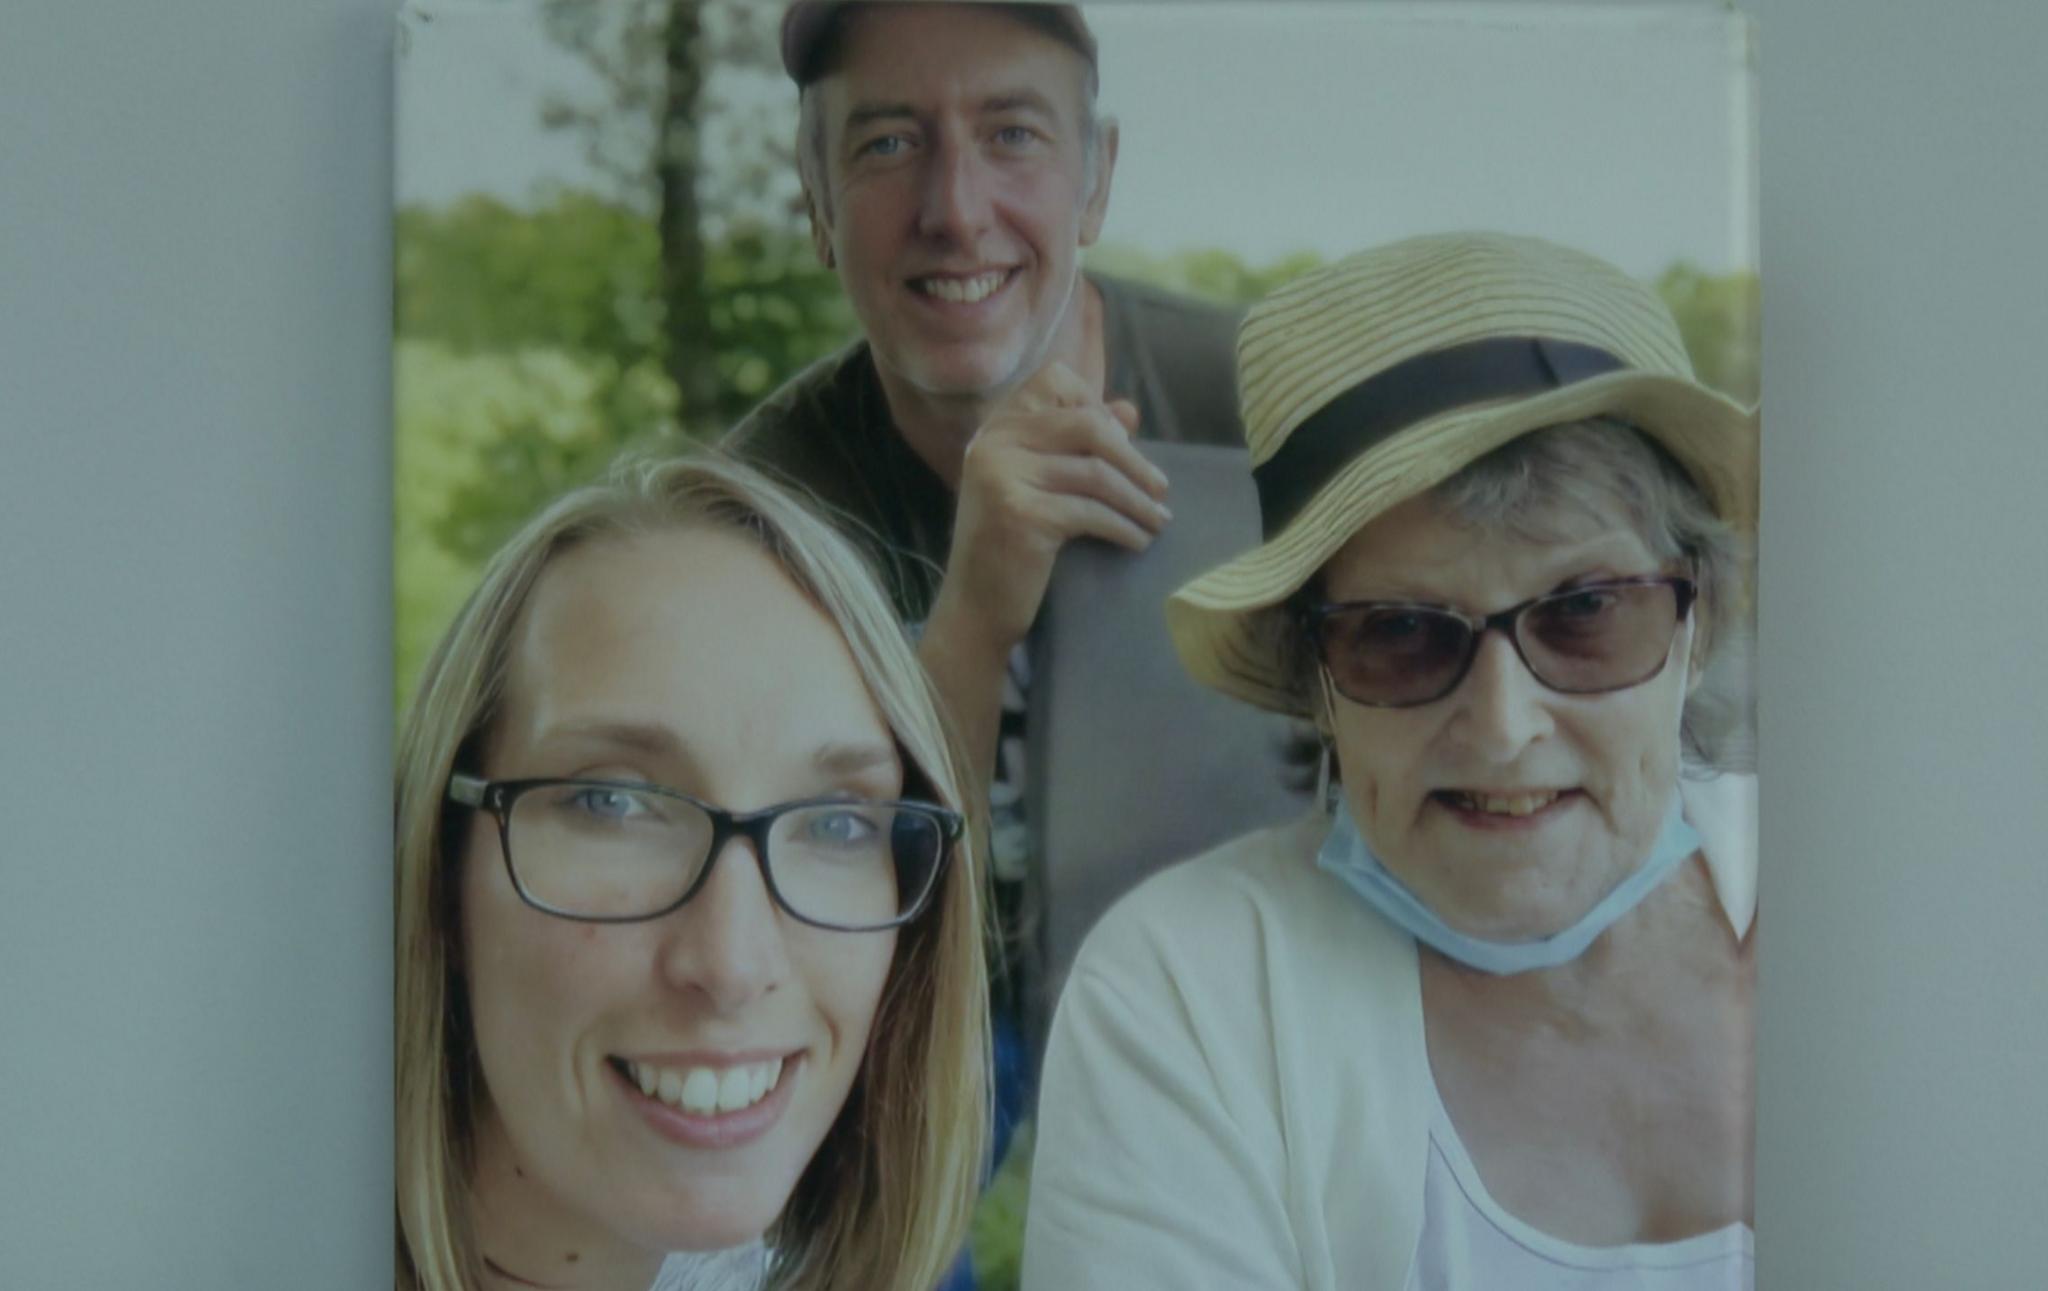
(1085, 517)
(1053, 386)
(1112, 442)
(1126, 412)
(1092, 477)
(1090, 431)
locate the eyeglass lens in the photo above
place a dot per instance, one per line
(1590, 639)
(612, 851)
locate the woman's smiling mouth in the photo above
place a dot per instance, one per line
(704, 1090)
(709, 1106)
(1508, 808)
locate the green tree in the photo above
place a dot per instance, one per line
(649, 132)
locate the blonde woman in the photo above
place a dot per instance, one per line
(688, 918)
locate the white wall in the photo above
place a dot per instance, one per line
(194, 645)
(195, 629)
(1903, 721)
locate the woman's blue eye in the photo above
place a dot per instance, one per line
(607, 803)
(840, 827)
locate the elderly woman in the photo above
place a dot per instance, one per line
(1483, 1020)
(688, 936)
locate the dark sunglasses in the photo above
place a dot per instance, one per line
(1588, 639)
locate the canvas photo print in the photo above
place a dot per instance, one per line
(1075, 646)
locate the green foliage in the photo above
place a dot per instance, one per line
(535, 340)
(995, 1237)
(1720, 317)
(579, 276)
(1208, 273)
(774, 311)
(574, 275)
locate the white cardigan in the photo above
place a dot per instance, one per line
(1237, 1090)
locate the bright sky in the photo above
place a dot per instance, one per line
(1624, 128)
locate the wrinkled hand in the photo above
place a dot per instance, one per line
(1051, 463)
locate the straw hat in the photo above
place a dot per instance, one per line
(1376, 378)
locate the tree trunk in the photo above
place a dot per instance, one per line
(690, 354)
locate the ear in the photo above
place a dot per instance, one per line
(821, 232)
(1097, 206)
(1701, 646)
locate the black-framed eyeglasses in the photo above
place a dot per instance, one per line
(1585, 640)
(610, 851)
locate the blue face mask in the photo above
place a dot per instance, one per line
(1346, 854)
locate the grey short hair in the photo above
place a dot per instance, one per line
(1598, 465)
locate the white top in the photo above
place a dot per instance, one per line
(742, 1268)
(1237, 1089)
(1471, 1243)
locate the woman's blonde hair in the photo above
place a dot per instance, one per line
(885, 1200)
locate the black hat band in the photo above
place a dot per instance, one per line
(1412, 391)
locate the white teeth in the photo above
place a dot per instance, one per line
(1512, 804)
(707, 1091)
(700, 1090)
(962, 291)
(734, 1090)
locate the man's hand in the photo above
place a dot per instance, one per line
(1051, 463)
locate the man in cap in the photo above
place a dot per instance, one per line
(955, 167)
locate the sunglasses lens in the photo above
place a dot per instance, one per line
(1600, 638)
(1393, 655)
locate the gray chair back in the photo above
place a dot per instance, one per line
(1132, 766)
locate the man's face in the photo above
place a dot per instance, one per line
(956, 191)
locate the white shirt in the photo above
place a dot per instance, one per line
(1237, 1090)
(742, 1268)
(1470, 1242)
